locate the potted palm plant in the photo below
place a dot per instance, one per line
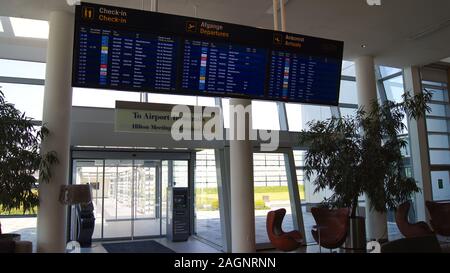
(20, 161)
(361, 154)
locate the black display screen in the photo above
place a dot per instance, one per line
(132, 50)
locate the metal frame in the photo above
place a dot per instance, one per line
(222, 157)
(117, 154)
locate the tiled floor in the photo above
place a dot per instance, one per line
(208, 228)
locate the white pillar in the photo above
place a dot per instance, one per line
(51, 222)
(241, 185)
(419, 146)
(275, 14)
(376, 223)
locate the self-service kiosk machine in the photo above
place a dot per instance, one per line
(178, 214)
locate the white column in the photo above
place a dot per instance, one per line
(275, 14)
(419, 146)
(376, 223)
(241, 184)
(51, 222)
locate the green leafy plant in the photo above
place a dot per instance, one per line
(362, 154)
(20, 159)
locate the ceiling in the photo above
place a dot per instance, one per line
(398, 33)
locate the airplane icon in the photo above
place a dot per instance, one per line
(191, 26)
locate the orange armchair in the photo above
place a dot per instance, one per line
(286, 241)
(440, 217)
(409, 230)
(333, 225)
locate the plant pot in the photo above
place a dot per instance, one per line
(356, 237)
(10, 237)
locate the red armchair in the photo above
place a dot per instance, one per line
(409, 230)
(333, 226)
(286, 241)
(440, 217)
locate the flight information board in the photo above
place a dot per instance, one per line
(132, 50)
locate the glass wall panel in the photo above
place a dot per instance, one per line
(440, 110)
(206, 101)
(118, 198)
(172, 99)
(207, 214)
(299, 115)
(307, 194)
(348, 112)
(22, 69)
(348, 93)
(440, 157)
(91, 172)
(180, 173)
(271, 191)
(438, 141)
(164, 186)
(348, 69)
(394, 89)
(437, 125)
(440, 184)
(265, 115)
(438, 94)
(387, 71)
(29, 99)
(146, 207)
(101, 98)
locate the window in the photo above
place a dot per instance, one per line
(440, 185)
(101, 98)
(394, 89)
(438, 95)
(438, 141)
(299, 115)
(29, 99)
(172, 99)
(180, 173)
(271, 191)
(437, 125)
(265, 115)
(439, 110)
(348, 93)
(348, 112)
(440, 157)
(348, 69)
(207, 214)
(388, 71)
(22, 69)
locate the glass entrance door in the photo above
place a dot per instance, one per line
(118, 198)
(126, 196)
(147, 199)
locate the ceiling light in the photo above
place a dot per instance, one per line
(29, 28)
(363, 45)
